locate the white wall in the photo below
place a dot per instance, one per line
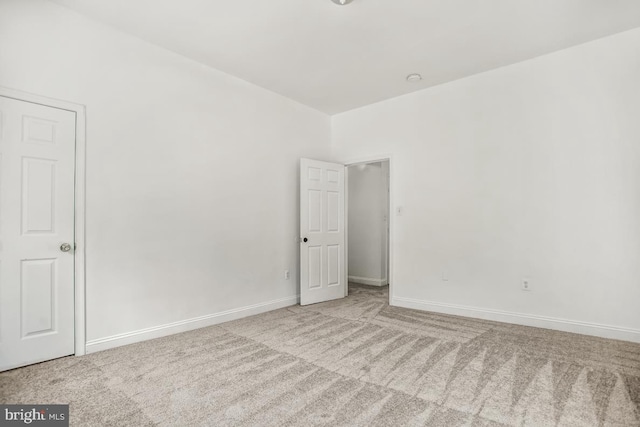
(368, 210)
(191, 174)
(532, 170)
(528, 171)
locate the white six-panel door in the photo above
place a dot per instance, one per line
(37, 152)
(322, 257)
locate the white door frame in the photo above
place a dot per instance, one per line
(390, 216)
(79, 208)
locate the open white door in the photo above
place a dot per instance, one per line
(322, 236)
(37, 167)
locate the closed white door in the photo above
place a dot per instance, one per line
(37, 151)
(322, 241)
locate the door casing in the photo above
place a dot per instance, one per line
(79, 204)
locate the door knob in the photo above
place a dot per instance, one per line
(305, 240)
(65, 247)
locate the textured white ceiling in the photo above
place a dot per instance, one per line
(336, 58)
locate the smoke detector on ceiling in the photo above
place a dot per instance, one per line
(342, 2)
(414, 78)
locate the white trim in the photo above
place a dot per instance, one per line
(345, 273)
(391, 216)
(368, 281)
(565, 325)
(80, 241)
(188, 324)
(79, 220)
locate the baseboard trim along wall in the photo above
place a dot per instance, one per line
(564, 325)
(188, 325)
(368, 281)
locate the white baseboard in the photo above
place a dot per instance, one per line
(565, 325)
(188, 324)
(368, 281)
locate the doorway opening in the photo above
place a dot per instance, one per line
(368, 227)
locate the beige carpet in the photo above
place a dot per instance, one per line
(353, 362)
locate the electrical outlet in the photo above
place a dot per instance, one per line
(287, 276)
(526, 284)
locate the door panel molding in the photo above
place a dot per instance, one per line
(79, 195)
(322, 231)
